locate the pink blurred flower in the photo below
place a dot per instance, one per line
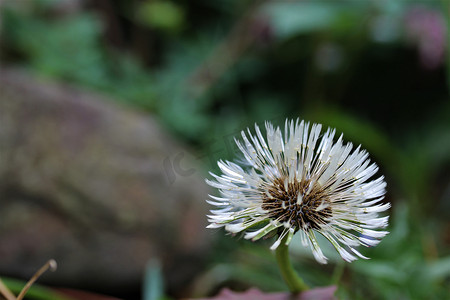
(426, 28)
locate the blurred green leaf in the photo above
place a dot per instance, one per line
(292, 18)
(164, 15)
(69, 50)
(382, 270)
(438, 269)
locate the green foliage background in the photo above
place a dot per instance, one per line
(207, 69)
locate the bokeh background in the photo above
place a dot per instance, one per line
(113, 112)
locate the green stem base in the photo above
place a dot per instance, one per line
(293, 281)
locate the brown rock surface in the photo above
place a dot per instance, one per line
(91, 184)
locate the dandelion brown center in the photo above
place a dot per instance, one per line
(282, 202)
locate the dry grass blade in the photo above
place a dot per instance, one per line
(6, 292)
(51, 264)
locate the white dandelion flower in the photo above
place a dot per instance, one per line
(301, 181)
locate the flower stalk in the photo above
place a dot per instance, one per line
(293, 281)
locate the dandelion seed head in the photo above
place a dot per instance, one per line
(301, 181)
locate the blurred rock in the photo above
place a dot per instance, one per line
(97, 187)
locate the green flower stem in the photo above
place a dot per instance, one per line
(294, 282)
